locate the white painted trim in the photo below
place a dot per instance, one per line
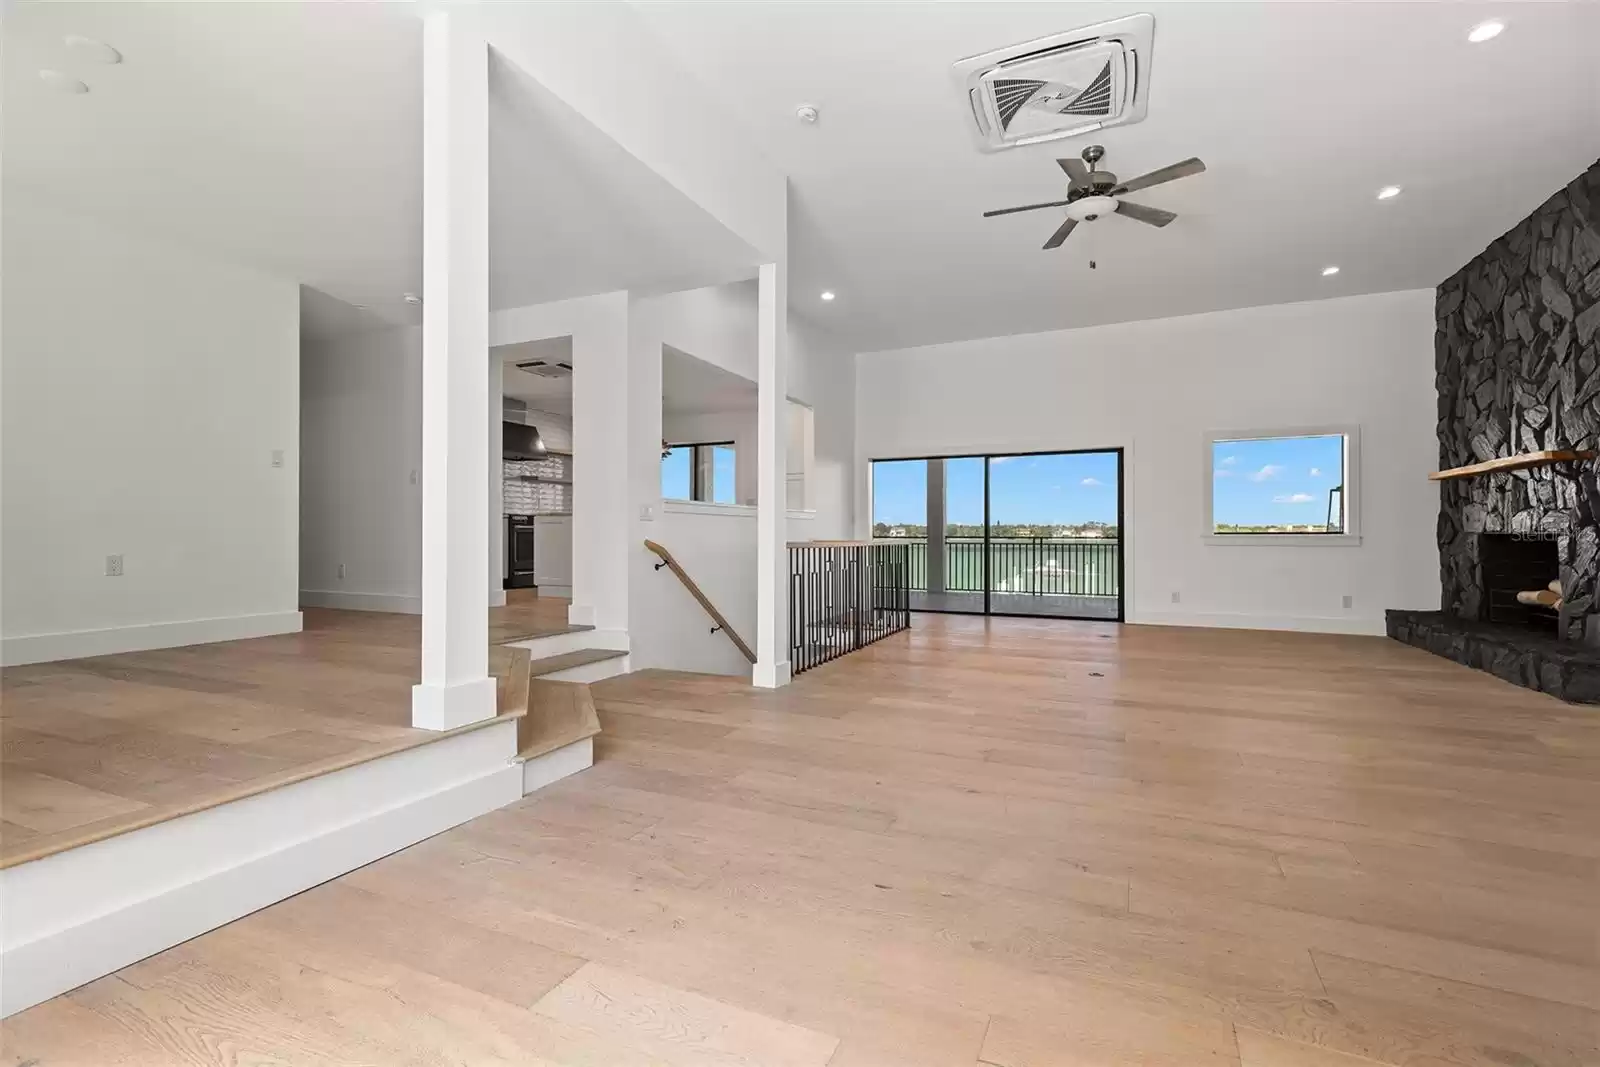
(701, 507)
(592, 672)
(771, 675)
(1238, 621)
(554, 766)
(335, 598)
(86, 912)
(563, 592)
(1351, 502)
(497, 598)
(445, 707)
(580, 615)
(727, 511)
(47, 648)
(556, 644)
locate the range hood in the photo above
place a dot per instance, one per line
(518, 440)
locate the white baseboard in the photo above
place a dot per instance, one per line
(1240, 621)
(77, 644)
(338, 598)
(554, 766)
(83, 913)
(580, 615)
(771, 675)
(497, 599)
(560, 591)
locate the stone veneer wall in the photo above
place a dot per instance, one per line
(1516, 357)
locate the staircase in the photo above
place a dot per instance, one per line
(544, 683)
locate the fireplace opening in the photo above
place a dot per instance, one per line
(1512, 564)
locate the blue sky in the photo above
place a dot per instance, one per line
(1277, 481)
(675, 467)
(1066, 489)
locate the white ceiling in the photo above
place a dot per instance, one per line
(1301, 112)
(288, 136)
(541, 394)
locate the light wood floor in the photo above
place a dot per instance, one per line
(94, 747)
(1020, 843)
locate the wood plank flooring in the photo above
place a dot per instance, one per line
(94, 747)
(1013, 843)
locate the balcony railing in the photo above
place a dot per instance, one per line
(844, 595)
(1046, 566)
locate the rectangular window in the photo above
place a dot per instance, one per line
(1281, 486)
(704, 471)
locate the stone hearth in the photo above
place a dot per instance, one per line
(1565, 669)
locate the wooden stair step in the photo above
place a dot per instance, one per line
(567, 660)
(559, 713)
(509, 667)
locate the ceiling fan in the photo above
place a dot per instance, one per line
(1092, 193)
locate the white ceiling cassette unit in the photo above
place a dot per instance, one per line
(1062, 85)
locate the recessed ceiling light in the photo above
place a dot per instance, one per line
(1328, 272)
(62, 83)
(1388, 192)
(1485, 31)
(413, 298)
(807, 114)
(87, 48)
(827, 294)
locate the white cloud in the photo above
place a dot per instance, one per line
(1228, 461)
(1220, 473)
(1294, 498)
(1316, 472)
(1267, 473)
(1092, 481)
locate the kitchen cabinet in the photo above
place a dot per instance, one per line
(552, 555)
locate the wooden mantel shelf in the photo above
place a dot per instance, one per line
(1513, 463)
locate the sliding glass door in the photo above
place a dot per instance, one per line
(1036, 534)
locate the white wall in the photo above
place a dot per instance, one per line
(1155, 388)
(736, 426)
(361, 456)
(146, 388)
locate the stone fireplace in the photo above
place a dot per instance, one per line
(1517, 368)
(1510, 565)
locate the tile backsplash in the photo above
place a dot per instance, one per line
(521, 497)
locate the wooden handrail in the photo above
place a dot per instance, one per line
(711, 609)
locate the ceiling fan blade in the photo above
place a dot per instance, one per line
(1025, 207)
(1061, 234)
(1077, 171)
(1156, 177)
(1139, 213)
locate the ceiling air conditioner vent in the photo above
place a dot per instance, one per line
(1060, 86)
(547, 368)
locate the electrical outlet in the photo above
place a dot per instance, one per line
(114, 566)
(647, 513)
(277, 457)
(341, 572)
(1176, 596)
(1349, 601)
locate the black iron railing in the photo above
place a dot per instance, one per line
(1040, 565)
(844, 596)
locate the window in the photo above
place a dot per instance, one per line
(1282, 487)
(704, 471)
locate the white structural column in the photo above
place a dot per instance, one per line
(936, 523)
(456, 688)
(772, 483)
